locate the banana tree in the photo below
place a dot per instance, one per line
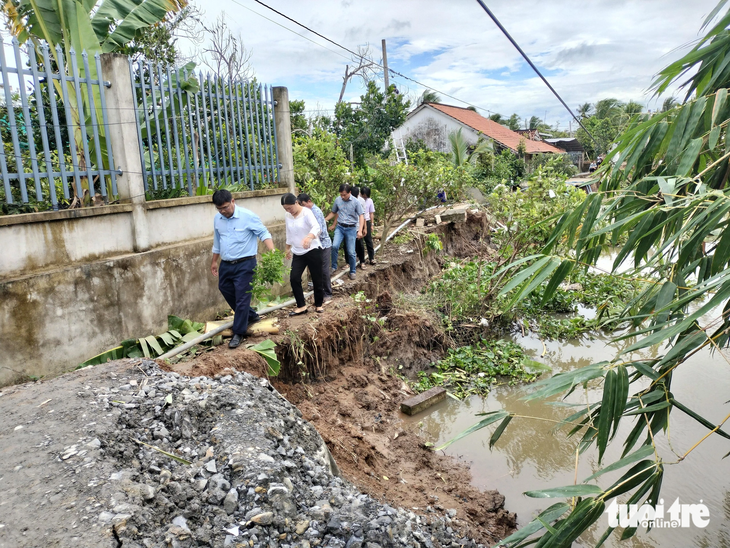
(91, 26)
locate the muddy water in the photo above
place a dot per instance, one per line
(530, 455)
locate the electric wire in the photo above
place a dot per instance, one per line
(345, 48)
(529, 62)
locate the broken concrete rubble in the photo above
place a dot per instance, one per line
(242, 470)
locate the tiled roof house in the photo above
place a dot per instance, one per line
(433, 122)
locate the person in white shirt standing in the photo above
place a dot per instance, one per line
(369, 209)
(304, 248)
(359, 247)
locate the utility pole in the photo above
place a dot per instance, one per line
(385, 67)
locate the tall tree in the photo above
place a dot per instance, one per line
(513, 122)
(632, 107)
(664, 195)
(585, 110)
(608, 109)
(225, 53)
(429, 96)
(362, 66)
(669, 103)
(158, 43)
(367, 127)
(296, 114)
(535, 123)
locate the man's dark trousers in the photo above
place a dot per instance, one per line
(234, 282)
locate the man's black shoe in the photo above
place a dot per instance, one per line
(235, 341)
(254, 320)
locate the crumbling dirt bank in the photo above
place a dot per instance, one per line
(199, 454)
(341, 369)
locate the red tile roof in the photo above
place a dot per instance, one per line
(492, 129)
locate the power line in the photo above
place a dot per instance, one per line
(292, 31)
(394, 72)
(524, 55)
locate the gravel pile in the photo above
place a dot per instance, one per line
(229, 462)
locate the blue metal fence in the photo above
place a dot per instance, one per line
(44, 100)
(200, 132)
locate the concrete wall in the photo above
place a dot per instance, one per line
(71, 285)
(37, 241)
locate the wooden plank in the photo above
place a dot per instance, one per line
(423, 401)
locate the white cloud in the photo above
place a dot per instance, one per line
(592, 50)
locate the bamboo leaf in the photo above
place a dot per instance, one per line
(524, 274)
(703, 421)
(560, 274)
(585, 514)
(714, 137)
(580, 490)
(565, 381)
(605, 413)
(636, 475)
(633, 436)
(639, 454)
(498, 431)
(492, 417)
(720, 97)
(622, 393)
(535, 282)
(645, 370)
(650, 408)
(550, 514)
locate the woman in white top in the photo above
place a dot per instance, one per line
(305, 250)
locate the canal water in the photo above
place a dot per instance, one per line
(531, 455)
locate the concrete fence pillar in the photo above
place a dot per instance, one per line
(122, 113)
(282, 120)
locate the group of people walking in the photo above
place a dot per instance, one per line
(236, 232)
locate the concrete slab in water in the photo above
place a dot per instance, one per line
(423, 401)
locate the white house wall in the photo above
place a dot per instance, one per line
(434, 128)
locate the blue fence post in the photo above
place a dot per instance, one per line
(42, 129)
(30, 127)
(13, 125)
(225, 132)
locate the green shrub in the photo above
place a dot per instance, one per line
(320, 167)
(530, 213)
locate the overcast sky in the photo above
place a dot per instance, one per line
(588, 49)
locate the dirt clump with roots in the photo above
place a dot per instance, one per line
(343, 368)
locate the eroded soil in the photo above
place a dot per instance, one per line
(339, 368)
